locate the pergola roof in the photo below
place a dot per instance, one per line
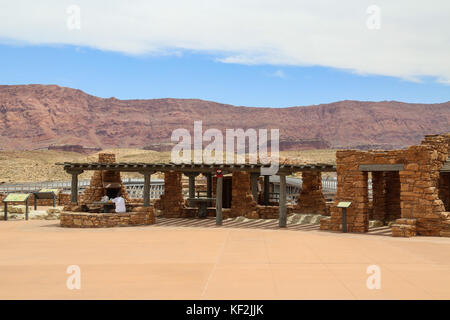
(192, 167)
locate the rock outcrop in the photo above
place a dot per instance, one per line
(37, 116)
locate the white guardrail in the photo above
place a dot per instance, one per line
(135, 186)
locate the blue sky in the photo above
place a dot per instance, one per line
(242, 52)
(189, 75)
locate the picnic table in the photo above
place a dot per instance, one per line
(107, 206)
(202, 205)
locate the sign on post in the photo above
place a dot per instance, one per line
(16, 197)
(344, 205)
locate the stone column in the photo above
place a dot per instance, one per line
(172, 201)
(353, 187)
(311, 199)
(242, 201)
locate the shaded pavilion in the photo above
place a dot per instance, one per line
(208, 170)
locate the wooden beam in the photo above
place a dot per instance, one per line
(147, 189)
(219, 190)
(74, 187)
(254, 185)
(381, 167)
(282, 217)
(266, 190)
(209, 185)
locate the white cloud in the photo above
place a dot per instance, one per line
(413, 40)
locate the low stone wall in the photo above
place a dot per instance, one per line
(142, 216)
(404, 228)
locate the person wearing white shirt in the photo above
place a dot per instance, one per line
(120, 203)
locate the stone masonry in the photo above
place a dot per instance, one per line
(139, 216)
(172, 201)
(311, 199)
(242, 202)
(96, 190)
(415, 196)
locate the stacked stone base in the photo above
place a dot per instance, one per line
(325, 223)
(141, 216)
(445, 225)
(404, 228)
(268, 212)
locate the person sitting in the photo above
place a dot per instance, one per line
(120, 203)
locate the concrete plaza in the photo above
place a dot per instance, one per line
(193, 259)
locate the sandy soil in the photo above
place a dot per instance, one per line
(33, 166)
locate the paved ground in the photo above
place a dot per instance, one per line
(192, 259)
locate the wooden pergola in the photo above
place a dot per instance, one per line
(192, 170)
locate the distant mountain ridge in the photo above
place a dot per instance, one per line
(37, 116)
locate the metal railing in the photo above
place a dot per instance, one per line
(135, 187)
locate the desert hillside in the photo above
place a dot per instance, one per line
(39, 165)
(37, 116)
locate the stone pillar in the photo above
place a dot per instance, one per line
(172, 201)
(242, 202)
(353, 187)
(311, 199)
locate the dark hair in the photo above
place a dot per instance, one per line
(119, 193)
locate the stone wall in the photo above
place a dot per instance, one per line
(311, 199)
(272, 212)
(141, 216)
(242, 202)
(413, 193)
(172, 201)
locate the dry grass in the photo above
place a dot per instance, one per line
(33, 166)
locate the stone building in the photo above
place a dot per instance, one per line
(409, 187)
